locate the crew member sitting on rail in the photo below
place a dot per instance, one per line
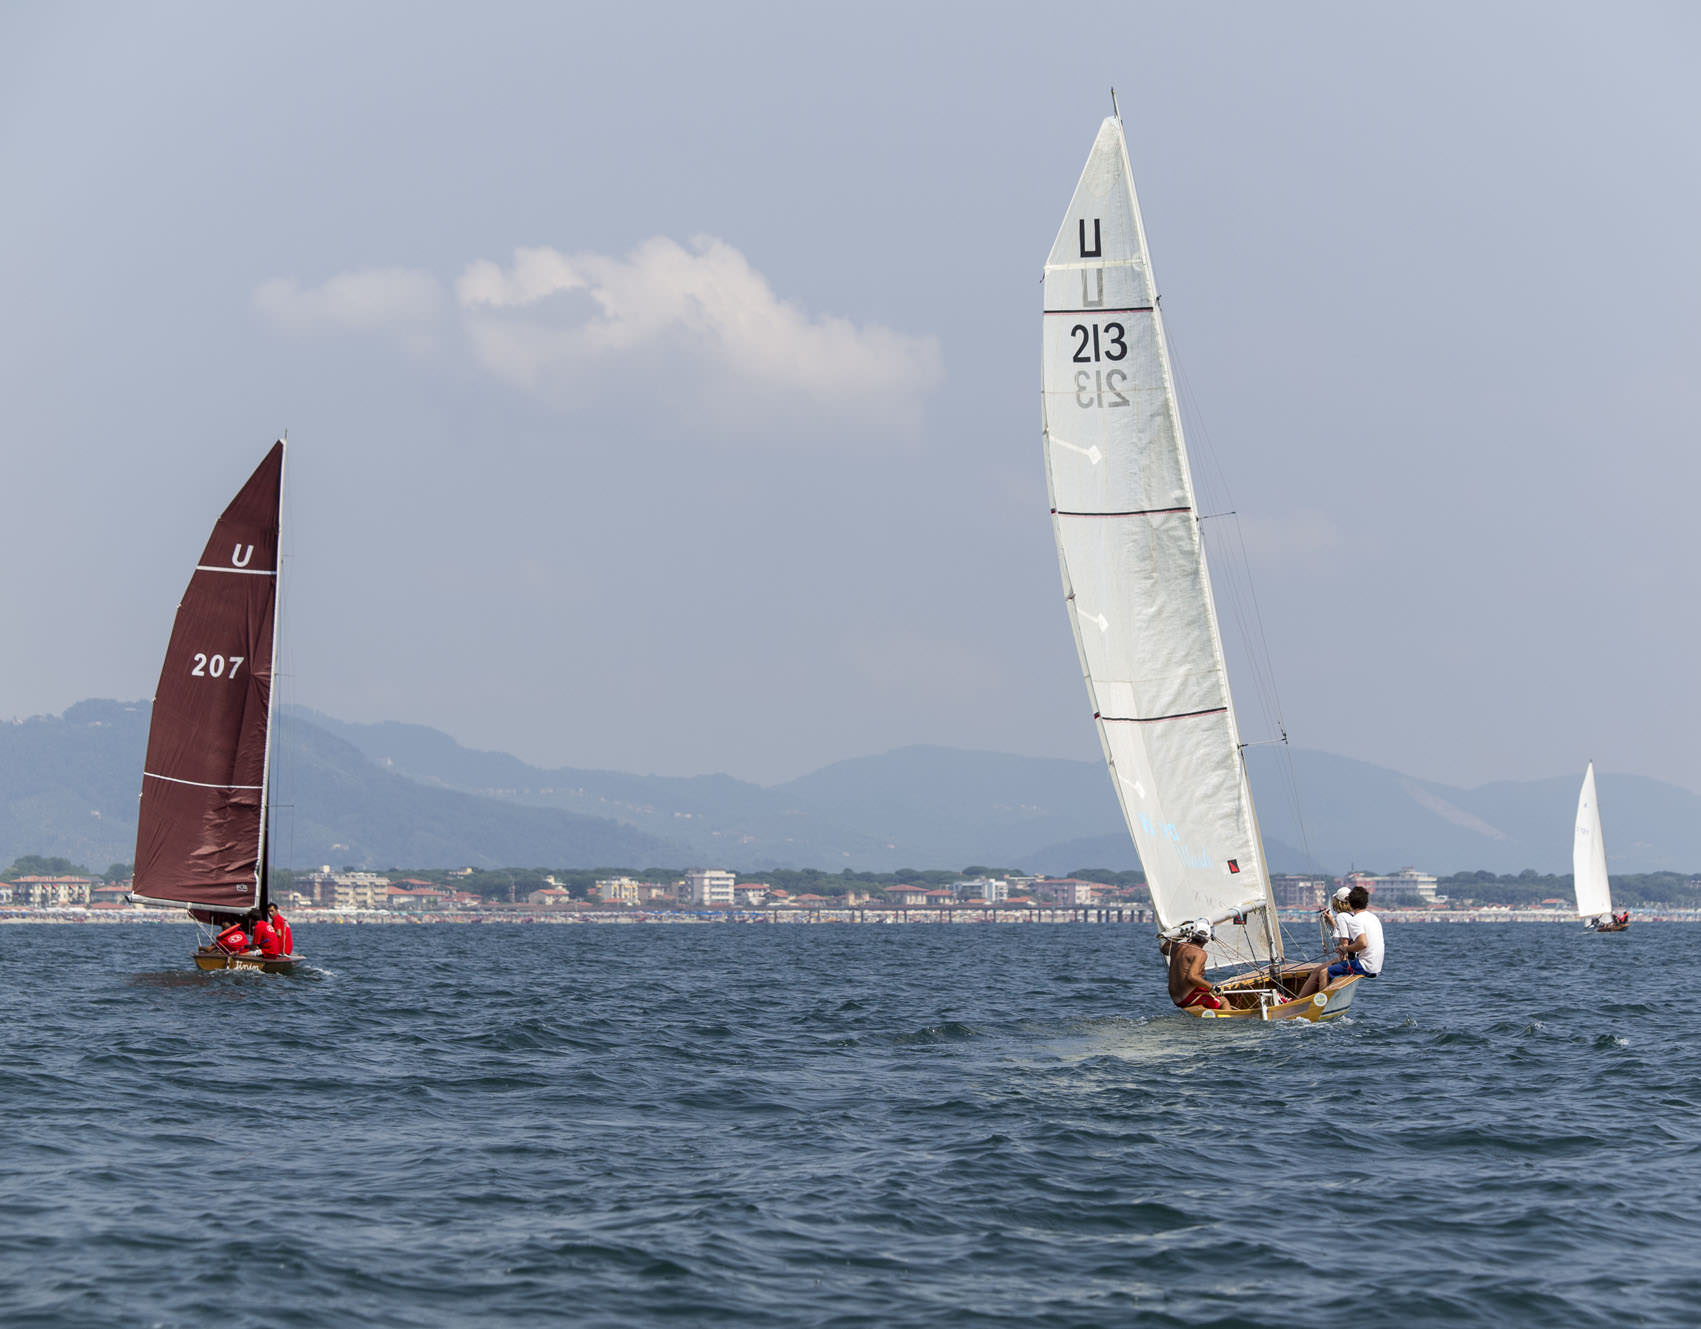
(266, 939)
(280, 925)
(1336, 913)
(233, 939)
(1188, 985)
(1361, 952)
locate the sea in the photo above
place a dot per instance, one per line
(841, 1126)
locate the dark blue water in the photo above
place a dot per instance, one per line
(841, 1126)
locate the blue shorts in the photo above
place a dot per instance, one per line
(1350, 965)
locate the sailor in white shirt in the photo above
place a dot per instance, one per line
(1361, 951)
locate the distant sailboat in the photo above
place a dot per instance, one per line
(1139, 594)
(201, 836)
(1588, 863)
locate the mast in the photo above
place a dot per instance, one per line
(1266, 906)
(263, 882)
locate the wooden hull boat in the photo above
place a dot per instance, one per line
(211, 957)
(1254, 997)
(1608, 927)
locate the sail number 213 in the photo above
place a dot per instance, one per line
(216, 666)
(1098, 387)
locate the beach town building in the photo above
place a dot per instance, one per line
(551, 897)
(1300, 892)
(413, 897)
(47, 892)
(750, 894)
(907, 895)
(349, 889)
(1067, 890)
(618, 890)
(709, 888)
(983, 890)
(1407, 887)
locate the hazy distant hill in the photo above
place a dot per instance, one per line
(917, 807)
(407, 795)
(1357, 813)
(941, 807)
(69, 784)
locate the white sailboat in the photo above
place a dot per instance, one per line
(1588, 863)
(1139, 593)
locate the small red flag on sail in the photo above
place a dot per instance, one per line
(1234, 865)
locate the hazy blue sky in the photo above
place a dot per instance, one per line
(662, 380)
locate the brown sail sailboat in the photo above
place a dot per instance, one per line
(201, 834)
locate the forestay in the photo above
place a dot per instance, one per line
(1134, 574)
(1588, 854)
(201, 827)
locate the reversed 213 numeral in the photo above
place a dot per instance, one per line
(1099, 387)
(1114, 348)
(216, 666)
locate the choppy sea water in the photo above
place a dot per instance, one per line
(841, 1126)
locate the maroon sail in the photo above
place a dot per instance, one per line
(201, 833)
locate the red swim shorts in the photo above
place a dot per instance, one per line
(1203, 997)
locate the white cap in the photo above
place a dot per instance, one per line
(1201, 927)
(1341, 892)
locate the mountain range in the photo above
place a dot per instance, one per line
(388, 794)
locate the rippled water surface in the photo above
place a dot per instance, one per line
(841, 1126)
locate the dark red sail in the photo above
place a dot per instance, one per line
(201, 830)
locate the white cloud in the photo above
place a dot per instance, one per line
(398, 300)
(700, 327)
(690, 334)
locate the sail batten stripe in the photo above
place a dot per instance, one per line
(1156, 719)
(1139, 512)
(247, 572)
(1129, 309)
(172, 779)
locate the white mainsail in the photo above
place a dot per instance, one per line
(1134, 574)
(1588, 854)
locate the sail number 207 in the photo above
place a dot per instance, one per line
(1099, 387)
(216, 666)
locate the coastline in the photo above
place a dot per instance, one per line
(884, 916)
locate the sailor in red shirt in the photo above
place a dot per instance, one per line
(232, 939)
(280, 925)
(267, 940)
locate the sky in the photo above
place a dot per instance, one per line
(662, 381)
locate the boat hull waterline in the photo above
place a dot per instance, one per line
(211, 957)
(1250, 997)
